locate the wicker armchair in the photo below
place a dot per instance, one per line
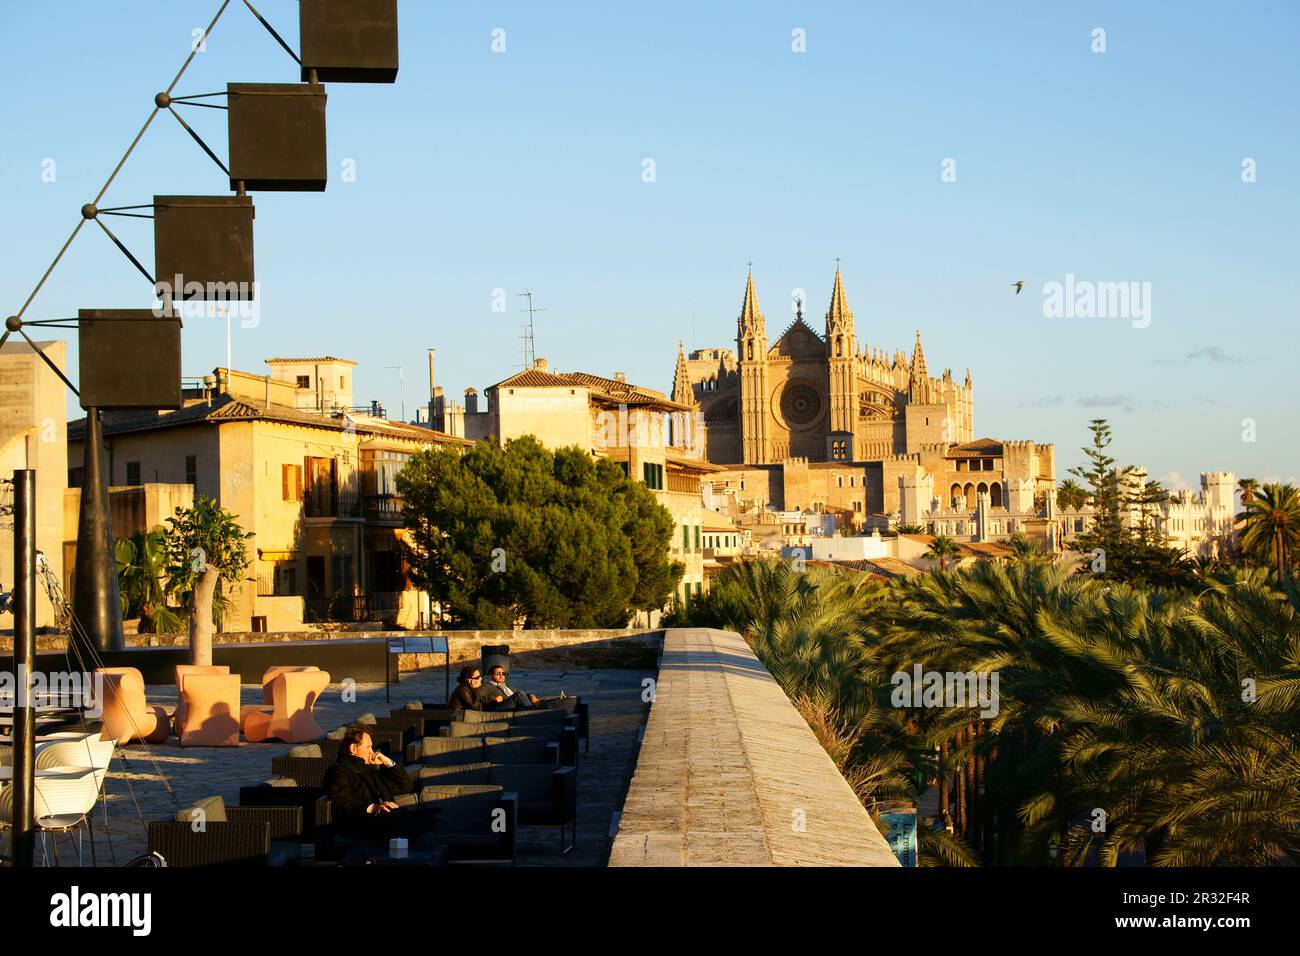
(243, 838)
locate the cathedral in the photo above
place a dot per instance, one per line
(817, 421)
(816, 395)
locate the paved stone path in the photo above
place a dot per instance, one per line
(617, 714)
(729, 774)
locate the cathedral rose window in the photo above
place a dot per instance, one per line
(800, 404)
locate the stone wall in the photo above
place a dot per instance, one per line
(729, 774)
(529, 649)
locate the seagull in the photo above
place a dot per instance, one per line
(1019, 284)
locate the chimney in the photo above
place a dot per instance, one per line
(431, 391)
(620, 376)
(471, 401)
(540, 364)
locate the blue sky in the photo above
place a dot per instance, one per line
(479, 171)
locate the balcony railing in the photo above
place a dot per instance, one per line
(384, 509)
(326, 503)
(376, 606)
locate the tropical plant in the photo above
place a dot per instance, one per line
(1071, 496)
(142, 582)
(1270, 526)
(205, 547)
(1248, 487)
(942, 548)
(909, 529)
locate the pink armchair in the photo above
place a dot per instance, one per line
(183, 671)
(210, 704)
(127, 715)
(292, 693)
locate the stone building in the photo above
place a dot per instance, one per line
(1201, 523)
(33, 434)
(818, 422)
(311, 477)
(612, 419)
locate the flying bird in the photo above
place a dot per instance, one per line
(1020, 284)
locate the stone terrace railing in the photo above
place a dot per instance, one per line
(593, 648)
(729, 774)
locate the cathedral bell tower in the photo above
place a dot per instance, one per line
(751, 351)
(841, 347)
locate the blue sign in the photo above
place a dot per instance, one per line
(900, 831)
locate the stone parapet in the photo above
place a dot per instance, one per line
(729, 774)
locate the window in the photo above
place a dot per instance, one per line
(697, 536)
(857, 506)
(686, 537)
(653, 475)
(291, 482)
(839, 481)
(74, 477)
(304, 381)
(343, 382)
(342, 568)
(133, 473)
(191, 469)
(286, 580)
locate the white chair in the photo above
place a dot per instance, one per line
(61, 807)
(88, 751)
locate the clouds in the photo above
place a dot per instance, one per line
(1212, 353)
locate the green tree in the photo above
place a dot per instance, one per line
(205, 546)
(1270, 526)
(523, 534)
(141, 581)
(1071, 496)
(942, 549)
(1248, 487)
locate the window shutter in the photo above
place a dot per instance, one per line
(284, 482)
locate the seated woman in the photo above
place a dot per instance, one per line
(466, 695)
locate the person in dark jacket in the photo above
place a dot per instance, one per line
(466, 694)
(364, 786)
(498, 695)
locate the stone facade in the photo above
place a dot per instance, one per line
(33, 434)
(817, 423)
(611, 418)
(310, 478)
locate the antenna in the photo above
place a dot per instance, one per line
(530, 343)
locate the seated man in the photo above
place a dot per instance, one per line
(497, 695)
(364, 787)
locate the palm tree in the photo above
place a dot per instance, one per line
(141, 565)
(1271, 525)
(941, 549)
(1248, 487)
(1071, 496)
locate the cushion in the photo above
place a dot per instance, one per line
(414, 705)
(466, 728)
(516, 750)
(367, 719)
(306, 750)
(532, 782)
(214, 811)
(463, 808)
(282, 782)
(471, 773)
(450, 752)
(336, 734)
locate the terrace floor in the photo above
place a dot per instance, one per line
(617, 715)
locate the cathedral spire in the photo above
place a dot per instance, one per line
(918, 386)
(682, 393)
(839, 320)
(750, 314)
